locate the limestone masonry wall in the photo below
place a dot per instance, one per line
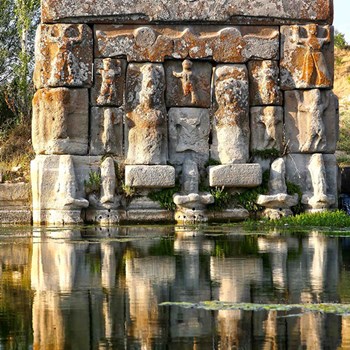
(139, 96)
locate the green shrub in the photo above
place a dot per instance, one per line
(339, 40)
(165, 197)
(93, 185)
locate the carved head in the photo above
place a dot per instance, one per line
(151, 86)
(227, 92)
(187, 65)
(311, 29)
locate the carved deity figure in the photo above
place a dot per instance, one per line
(108, 134)
(65, 66)
(318, 200)
(188, 80)
(109, 74)
(231, 129)
(67, 186)
(314, 105)
(315, 71)
(147, 122)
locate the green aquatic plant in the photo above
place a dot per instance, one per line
(222, 198)
(165, 197)
(93, 184)
(214, 305)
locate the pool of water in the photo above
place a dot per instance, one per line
(97, 288)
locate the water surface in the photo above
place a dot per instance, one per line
(102, 288)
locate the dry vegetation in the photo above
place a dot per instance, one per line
(342, 90)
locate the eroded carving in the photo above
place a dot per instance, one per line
(277, 202)
(156, 43)
(266, 128)
(106, 130)
(311, 121)
(146, 114)
(231, 119)
(307, 56)
(188, 135)
(63, 55)
(264, 86)
(319, 199)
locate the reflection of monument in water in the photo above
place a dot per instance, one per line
(107, 292)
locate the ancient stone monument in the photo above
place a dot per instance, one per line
(180, 99)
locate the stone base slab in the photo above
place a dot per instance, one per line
(104, 216)
(235, 175)
(149, 216)
(228, 215)
(15, 216)
(150, 176)
(57, 217)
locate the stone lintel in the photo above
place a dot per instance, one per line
(150, 176)
(228, 11)
(235, 175)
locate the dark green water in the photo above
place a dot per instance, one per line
(102, 289)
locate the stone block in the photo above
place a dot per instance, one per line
(237, 214)
(15, 216)
(63, 56)
(311, 121)
(109, 82)
(188, 83)
(245, 11)
(60, 122)
(298, 172)
(307, 57)
(46, 181)
(150, 176)
(235, 175)
(266, 128)
(264, 83)
(188, 135)
(106, 131)
(146, 121)
(14, 194)
(231, 132)
(156, 43)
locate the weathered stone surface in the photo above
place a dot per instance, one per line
(307, 57)
(155, 43)
(244, 11)
(235, 175)
(231, 118)
(188, 83)
(109, 82)
(63, 56)
(305, 173)
(150, 176)
(106, 131)
(264, 83)
(148, 216)
(188, 135)
(104, 217)
(277, 202)
(15, 216)
(146, 114)
(311, 121)
(236, 214)
(60, 122)
(14, 194)
(58, 187)
(266, 128)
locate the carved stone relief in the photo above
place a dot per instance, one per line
(231, 118)
(106, 131)
(155, 43)
(146, 114)
(188, 135)
(266, 128)
(108, 89)
(63, 56)
(311, 120)
(188, 83)
(60, 121)
(264, 83)
(307, 57)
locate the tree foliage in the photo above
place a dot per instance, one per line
(339, 40)
(18, 19)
